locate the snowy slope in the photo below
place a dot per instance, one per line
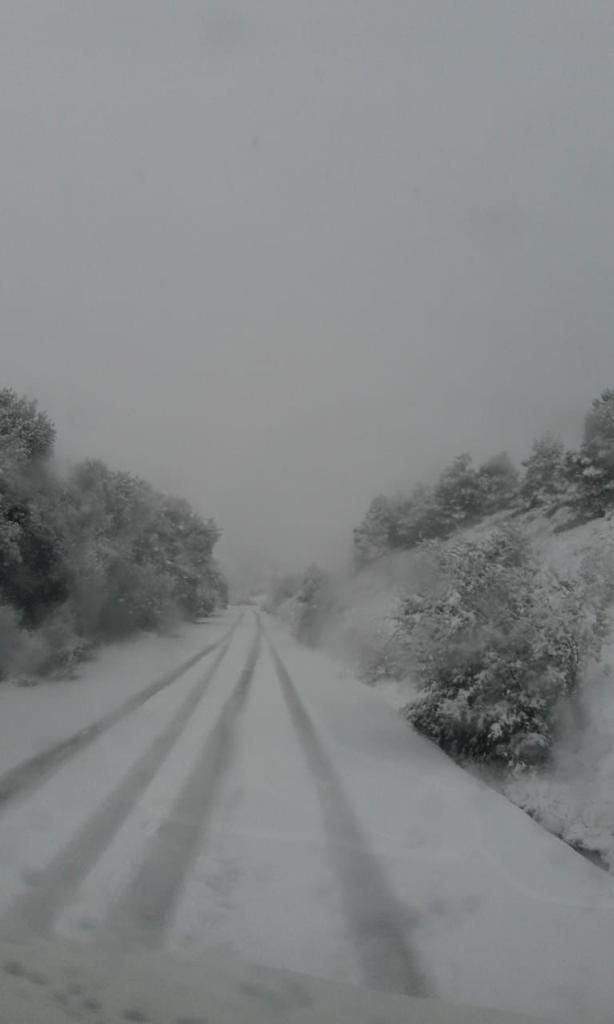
(34, 718)
(499, 912)
(575, 797)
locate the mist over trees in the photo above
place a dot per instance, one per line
(493, 640)
(496, 642)
(90, 556)
(550, 478)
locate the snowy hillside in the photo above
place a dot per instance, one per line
(574, 796)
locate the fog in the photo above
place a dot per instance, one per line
(280, 256)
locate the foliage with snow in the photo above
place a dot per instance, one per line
(461, 495)
(496, 643)
(25, 433)
(592, 468)
(98, 554)
(545, 478)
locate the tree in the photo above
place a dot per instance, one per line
(28, 434)
(96, 555)
(38, 578)
(593, 469)
(372, 538)
(34, 576)
(458, 495)
(417, 518)
(498, 483)
(545, 478)
(140, 558)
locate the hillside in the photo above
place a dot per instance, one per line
(573, 794)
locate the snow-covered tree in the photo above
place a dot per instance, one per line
(139, 557)
(458, 495)
(98, 554)
(545, 478)
(33, 574)
(372, 537)
(418, 518)
(593, 467)
(496, 643)
(498, 483)
(27, 433)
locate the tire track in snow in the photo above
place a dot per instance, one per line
(35, 770)
(378, 923)
(144, 913)
(56, 884)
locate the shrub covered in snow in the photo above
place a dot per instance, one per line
(496, 643)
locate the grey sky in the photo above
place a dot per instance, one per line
(278, 256)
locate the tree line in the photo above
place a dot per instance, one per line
(550, 478)
(91, 555)
(495, 641)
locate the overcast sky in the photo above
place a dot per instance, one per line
(278, 256)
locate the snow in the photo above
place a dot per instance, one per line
(494, 911)
(117, 865)
(264, 878)
(507, 915)
(34, 718)
(153, 987)
(574, 798)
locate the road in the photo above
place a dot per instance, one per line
(259, 803)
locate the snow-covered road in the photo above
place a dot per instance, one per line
(265, 805)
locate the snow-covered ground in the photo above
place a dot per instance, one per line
(34, 718)
(502, 913)
(268, 807)
(574, 797)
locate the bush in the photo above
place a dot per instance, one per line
(496, 644)
(378, 653)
